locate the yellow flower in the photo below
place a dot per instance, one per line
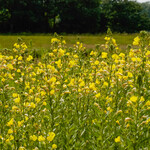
(52, 80)
(82, 84)
(58, 63)
(20, 123)
(54, 146)
(29, 58)
(16, 45)
(3, 79)
(133, 98)
(64, 42)
(10, 66)
(72, 63)
(7, 140)
(15, 108)
(21, 148)
(147, 103)
(33, 137)
(105, 84)
(11, 137)
(97, 95)
(122, 55)
(53, 40)
(52, 92)
(92, 86)
(61, 52)
(10, 131)
(51, 136)
(18, 70)
(32, 105)
(136, 41)
(41, 138)
(17, 100)
(130, 74)
(117, 140)
(142, 99)
(96, 62)
(107, 38)
(118, 122)
(44, 103)
(10, 122)
(20, 58)
(147, 53)
(37, 99)
(104, 55)
(6, 106)
(1, 137)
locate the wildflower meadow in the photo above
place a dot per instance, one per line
(73, 98)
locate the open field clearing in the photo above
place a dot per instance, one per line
(43, 41)
(69, 97)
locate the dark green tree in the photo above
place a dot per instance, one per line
(124, 16)
(79, 16)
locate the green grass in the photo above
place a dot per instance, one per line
(43, 41)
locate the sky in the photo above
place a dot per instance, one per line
(143, 1)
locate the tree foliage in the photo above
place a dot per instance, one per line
(73, 16)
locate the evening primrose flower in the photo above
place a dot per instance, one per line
(32, 105)
(11, 137)
(53, 40)
(104, 55)
(44, 103)
(142, 99)
(52, 80)
(72, 63)
(16, 45)
(61, 52)
(15, 108)
(82, 84)
(147, 53)
(20, 58)
(133, 98)
(136, 41)
(10, 66)
(21, 148)
(18, 70)
(130, 74)
(17, 100)
(51, 136)
(54, 146)
(33, 137)
(118, 122)
(147, 103)
(107, 38)
(20, 123)
(105, 84)
(29, 58)
(10, 131)
(117, 140)
(58, 63)
(3, 79)
(10, 122)
(41, 138)
(96, 62)
(97, 95)
(52, 92)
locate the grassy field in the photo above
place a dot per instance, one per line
(43, 41)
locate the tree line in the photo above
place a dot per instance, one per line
(73, 16)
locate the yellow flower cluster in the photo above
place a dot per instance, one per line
(99, 96)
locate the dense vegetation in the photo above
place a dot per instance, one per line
(74, 99)
(73, 16)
